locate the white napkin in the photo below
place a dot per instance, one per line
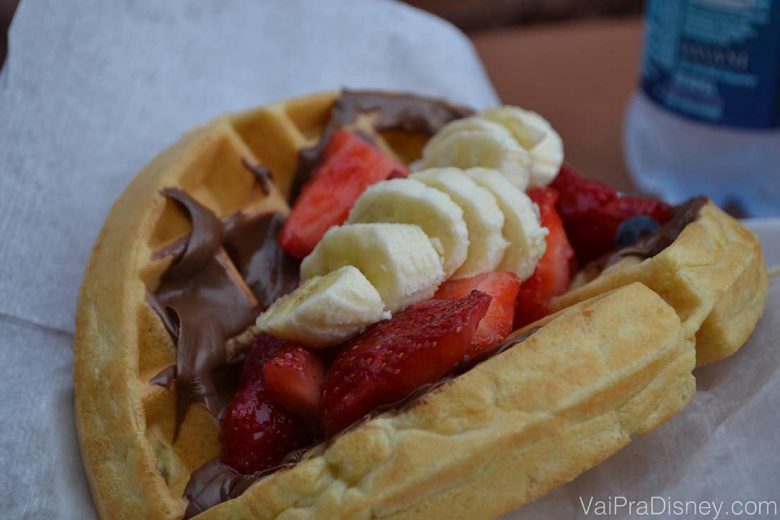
(92, 90)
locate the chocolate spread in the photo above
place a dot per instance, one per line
(202, 301)
(215, 482)
(199, 299)
(265, 267)
(404, 112)
(261, 174)
(212, 484)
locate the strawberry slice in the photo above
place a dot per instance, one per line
(392, 358)
(554, 270)
(293, 379)
(592, 212)
(256, 433)
(348, 166)
(497, 323)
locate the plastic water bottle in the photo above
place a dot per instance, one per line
(707, 116)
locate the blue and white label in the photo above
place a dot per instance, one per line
(715, 60)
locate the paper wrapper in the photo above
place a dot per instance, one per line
(92, 90)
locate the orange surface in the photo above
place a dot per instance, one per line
(579, 76)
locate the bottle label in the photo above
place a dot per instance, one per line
(715, 60)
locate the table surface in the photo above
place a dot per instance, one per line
(579, 76)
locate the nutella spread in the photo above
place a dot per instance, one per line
(261, 174)
(251, 243)
(202, 302)
(212, 484)
(215, 482)
(404, 112)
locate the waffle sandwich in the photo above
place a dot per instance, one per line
(188, 258)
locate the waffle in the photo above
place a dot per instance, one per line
(713, 274)
(599, 387)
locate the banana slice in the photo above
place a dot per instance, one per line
(398, 259)
(406, 201)
(325, 310)
(535, 134)
(474, 141)
(521, 225)
(484, 220)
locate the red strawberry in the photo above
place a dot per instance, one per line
(554, 270)
(263, 348)
(392, 358)
(256, 433)
(349, 165)
(293, 380)
(497, 323)
(592, 211)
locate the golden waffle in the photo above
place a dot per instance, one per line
(491, 439)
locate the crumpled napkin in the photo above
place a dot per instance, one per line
(92, 90)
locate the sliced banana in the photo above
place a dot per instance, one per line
(535, 134)
(522, 228)
(484, 219)
(325, 310)
(398, 259)
(406, 201)
(474, 141)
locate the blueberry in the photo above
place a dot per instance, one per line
(632, 229)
